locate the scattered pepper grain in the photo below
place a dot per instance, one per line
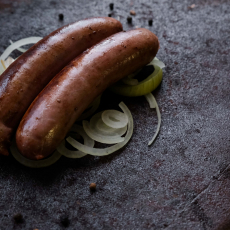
(129, 19)
(150, 22)
(132, 12)
(61, 17)
(65, 221)
(18, 218)
(111, 6)
(192, 6)
(92, 186)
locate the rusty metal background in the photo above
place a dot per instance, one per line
(183, 180)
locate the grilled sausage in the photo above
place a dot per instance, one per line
(33, 70)
(56, 108)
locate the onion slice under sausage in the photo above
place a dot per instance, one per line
(114, 119)
(101, 128)
(157, 62)
(16, 45)
(94, 106)
(32, 163)
(111, 149)
(144, 87)
(71, 153)
(101, 138)
(19, 49)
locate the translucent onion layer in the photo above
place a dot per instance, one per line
(109, 150)
(32, 163)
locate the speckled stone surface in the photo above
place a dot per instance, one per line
(182, 181)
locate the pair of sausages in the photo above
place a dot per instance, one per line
(53, 112)
(24, 79)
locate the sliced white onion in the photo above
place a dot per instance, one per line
(75, 153)
(19, 49)
(157, 62)
(79, 129)
(114, 118)
(101, 128)
(16, 45)
(109, 150)
(150, 98)
(91, 111)
(32, 163)
(3, 65)
(130, 81)
(101, 138)
(151, 101)
(134, 74)
(8, 61)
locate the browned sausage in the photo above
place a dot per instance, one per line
(33, 70)
(56, 108)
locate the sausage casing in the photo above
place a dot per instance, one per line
(57, 107)
(24, 79)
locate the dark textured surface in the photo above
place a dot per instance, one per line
(183, 180)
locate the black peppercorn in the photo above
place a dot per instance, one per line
(18, 218)
(129, 19)
(111, 6)
(150, 22)
(65, 221)
(61, 17)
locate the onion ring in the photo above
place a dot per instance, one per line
(111, 149)
(31, 163)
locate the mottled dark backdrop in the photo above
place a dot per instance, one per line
(183, 180)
